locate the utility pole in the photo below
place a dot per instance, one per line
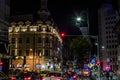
(33, 51)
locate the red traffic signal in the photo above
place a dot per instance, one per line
(1, 63)
(98, 62)
(62, 34)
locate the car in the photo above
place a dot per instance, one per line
(3, 76)
(86, 72)
(44, 73)
(26, 75)
(53, 76)
(72, 75)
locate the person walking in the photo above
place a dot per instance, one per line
(111, 75)
(107, 75)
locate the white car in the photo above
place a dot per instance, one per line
(53, 76)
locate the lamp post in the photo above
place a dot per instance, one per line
(38, 65)
(34, 51)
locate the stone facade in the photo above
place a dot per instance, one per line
(35, 43)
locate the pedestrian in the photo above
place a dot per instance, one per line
(111, 75)
(107, 75)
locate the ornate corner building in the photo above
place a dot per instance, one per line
(36, 45)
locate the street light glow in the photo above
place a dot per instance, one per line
(78, 18)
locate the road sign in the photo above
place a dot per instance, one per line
(38, 65)
(90, 65)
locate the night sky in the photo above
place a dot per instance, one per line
(63, 12)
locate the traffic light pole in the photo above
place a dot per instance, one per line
(98, 56)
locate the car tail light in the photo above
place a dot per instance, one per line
(25, 72)
(28, 78)
(74, 76)
(13, 78)
(69, 72)
(58, 79)
(43, 79)
(52, 76)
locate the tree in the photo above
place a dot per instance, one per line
(81, 47)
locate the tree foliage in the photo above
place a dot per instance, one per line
(80, 46)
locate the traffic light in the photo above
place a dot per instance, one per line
(98, 62)
(1, 63)
(62, 34)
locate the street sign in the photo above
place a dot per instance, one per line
(90, 65)
(86, 66)
(38, 65)
(92, 60)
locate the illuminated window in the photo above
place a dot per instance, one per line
(39, 53)
(17, 29)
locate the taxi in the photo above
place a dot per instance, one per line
(44, 73)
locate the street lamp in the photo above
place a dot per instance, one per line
(82, 22)
(78, 18)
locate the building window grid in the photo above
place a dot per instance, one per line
(47, 52)
(27, 52)
(13, 40)
(113, 46)
(27, 40)
(39, 53)
(13, 52)
(47, 40)
(20, 40)
(19, 53)
(39, 40)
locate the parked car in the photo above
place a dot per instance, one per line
(3, 76)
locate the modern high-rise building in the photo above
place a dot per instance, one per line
(107, 19)
(4, 23)
(4, 19)
(35, 45)
(117, 31)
